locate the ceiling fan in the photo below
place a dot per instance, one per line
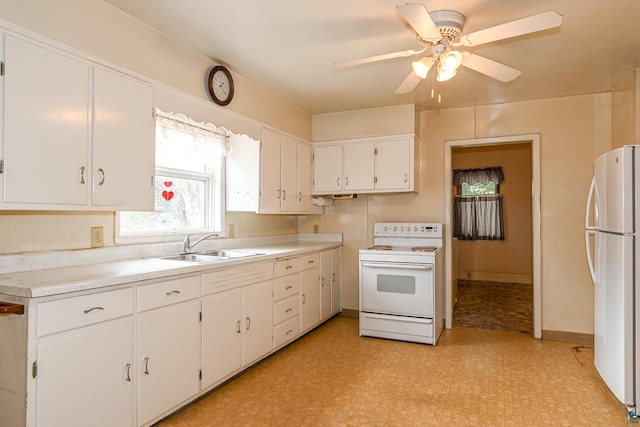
(440, 34)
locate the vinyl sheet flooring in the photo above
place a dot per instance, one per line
(472, 377)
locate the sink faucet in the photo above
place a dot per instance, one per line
(188, 247)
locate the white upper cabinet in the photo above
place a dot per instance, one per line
(46, 125)
(327, 169)
(77, 136)
(285, 174)
(123, 141)
(358, 166)
(368, 165)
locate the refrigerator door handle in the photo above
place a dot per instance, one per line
(592, 271)
(590, 204)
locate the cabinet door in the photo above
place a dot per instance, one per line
(168, 359)
(243, 174)
(336, 279)
(359, 165)
(327, 169)
(86, 379)
(123, 142)
(46, 125)
(258, 321)
(270, 172)
(393, 164)
(325, 284)
(310, 298)
(303, 197)
(221, 336)
(288, 175)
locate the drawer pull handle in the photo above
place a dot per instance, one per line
(288, 267)
(101, 176)
(238, 327)
(333, 277)
(146, 366)
(289, 331)
(11, 308)
(89, 310)
(288, 310)
(322, 281)
(310, 261)
(128, 366)
(172, 292)
(248, 323)
(288, 287)
(304, 298)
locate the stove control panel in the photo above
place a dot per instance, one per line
(407, 229)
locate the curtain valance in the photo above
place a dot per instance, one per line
(481, 175)
(218, 137)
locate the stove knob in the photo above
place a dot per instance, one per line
(401, 228)
(395, 228)
(415, 229)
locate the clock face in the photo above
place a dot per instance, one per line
(220, 85)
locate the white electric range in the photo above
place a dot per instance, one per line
(402, 283)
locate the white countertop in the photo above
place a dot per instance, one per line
(33, 283)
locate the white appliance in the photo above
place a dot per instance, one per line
(402, 283)
(612, 254)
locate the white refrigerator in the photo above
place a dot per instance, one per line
(612, 219)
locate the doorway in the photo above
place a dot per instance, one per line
(452, 279)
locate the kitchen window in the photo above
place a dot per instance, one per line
(478, 211)
(189, 186)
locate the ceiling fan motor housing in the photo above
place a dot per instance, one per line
(449, 23)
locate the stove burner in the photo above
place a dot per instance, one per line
(381, 247)
(424, 249)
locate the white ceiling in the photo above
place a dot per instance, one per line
(289, 46)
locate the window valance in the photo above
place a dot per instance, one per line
(217, 137)
(481, 175)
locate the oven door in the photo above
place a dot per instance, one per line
(396, 288)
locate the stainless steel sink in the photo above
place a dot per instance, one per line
(228, 254)
(194, 258)
(210, 256)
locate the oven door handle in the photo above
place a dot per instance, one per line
(403, 319)
(402, 266)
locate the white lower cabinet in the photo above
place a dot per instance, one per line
(336, 280)
(86, 379)
(309, 298)
(236, 330)
(168, 359)
(325, 284)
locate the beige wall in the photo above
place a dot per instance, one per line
(508, 260)
(94, 27)
(573, 131)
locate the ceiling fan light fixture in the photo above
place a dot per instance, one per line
(450, 60)
(422, 67)
(444, 75)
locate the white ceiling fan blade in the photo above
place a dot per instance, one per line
(531, 24)
(409, 83)
(378, 58)
(489, 67)
(418, 17)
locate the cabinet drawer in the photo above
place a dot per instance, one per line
(229, 278)
(168, 292)
(286, 331)
(286, 309)
(70, 313)
(286, 286)
(309, 261)
(283, 267)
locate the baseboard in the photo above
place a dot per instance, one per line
(586, 339)
(346, 312)
(526, 279)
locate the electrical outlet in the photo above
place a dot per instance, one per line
(231, 230)
(316, 228)
(97, 237)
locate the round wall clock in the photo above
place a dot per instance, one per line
(220, 85)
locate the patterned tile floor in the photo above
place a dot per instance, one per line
(473, 377)
(492, 305)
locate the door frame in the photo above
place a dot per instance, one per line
(534, 140)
